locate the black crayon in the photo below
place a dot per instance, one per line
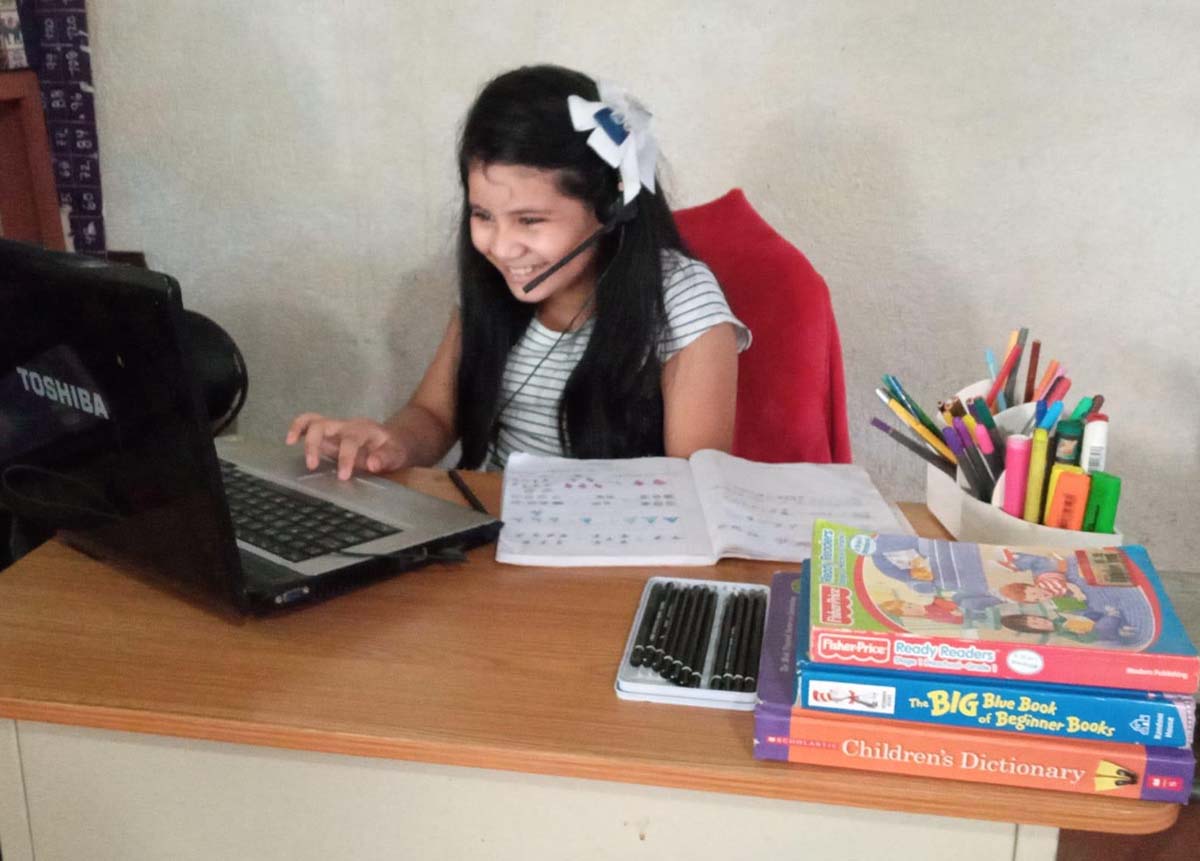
(659, 619)
(716, 681)
(684, 674)
(665, 633)
(701, 654)
(683, 648)
(649, 612)
(743, 647)
(735, 637)
(672, 646)
(750, 679)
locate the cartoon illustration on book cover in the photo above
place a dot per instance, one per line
(1028, 595)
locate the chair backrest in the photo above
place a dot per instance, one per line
(791, 394)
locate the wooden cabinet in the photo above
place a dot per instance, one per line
(28, 200)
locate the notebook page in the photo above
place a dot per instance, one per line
(766, 510)
(563, 512)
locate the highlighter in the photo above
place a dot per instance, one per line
(1056, 472)
(1101, 512)
(1068, 497)
(1037, 475)
(1016, 473)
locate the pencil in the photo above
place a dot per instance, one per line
(919, 450)
(1031, 375)
(1010, 388)
(908, 418)
(1047, 379)
(468, 494)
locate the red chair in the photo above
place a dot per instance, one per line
(791, 395)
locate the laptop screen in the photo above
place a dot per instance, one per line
(103, 432)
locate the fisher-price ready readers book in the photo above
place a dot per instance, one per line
(1097, 617)
(785, 730)
(671, 511)
(1026, 708)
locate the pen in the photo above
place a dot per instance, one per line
(907, 417)
(468, 494)
(907, 401)
(971, 453)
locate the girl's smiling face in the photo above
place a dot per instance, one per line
(523, 224)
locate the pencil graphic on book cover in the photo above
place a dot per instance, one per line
(1109, 776)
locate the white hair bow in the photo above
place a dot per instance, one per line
(620, 135)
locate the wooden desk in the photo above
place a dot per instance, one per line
(482, 665)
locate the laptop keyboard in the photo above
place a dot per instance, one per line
(289, 524)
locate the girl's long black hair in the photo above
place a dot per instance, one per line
(612, 405)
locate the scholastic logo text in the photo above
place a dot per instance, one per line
(852, 648)
(836, 605)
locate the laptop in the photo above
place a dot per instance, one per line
(105, 436)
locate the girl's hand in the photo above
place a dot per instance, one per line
(355, 443)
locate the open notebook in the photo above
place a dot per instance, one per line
(671, 511)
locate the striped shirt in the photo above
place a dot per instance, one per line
(542, 360)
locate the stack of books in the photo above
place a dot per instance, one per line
(1042, 668)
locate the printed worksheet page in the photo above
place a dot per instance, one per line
(766, 510)
(638, 511)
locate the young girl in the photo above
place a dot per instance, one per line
(629, 349)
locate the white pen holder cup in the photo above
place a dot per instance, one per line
(971, 519)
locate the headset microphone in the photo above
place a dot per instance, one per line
(626, 212)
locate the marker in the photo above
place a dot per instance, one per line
(1007, 368)
(717, 681)
(656, 628)
(1047, 379)
(1082, 408)
(974, 482)
(978, 406)
(649, 614)
(1093, 451)
(1039, 413)
(1061, 511)
(909, 404)
(1037, 476)
(683, 646)
(990, 358)
(1059, 388)
(1053, 411)
(986, 479)
(917, 449)
(1016, 473)
(1035, 350)
(984, 443)
(1097, 403)
(1010, 388)
(1101, 512)
(1068, 497)
(907, 417)
(664, 635)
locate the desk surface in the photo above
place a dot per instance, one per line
(485, 665)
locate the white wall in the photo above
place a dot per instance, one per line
(954, 169)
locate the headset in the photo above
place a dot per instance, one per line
(621, 214)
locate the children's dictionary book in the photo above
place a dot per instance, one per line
(1097, 616)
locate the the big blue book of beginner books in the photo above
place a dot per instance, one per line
(1097, 616)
